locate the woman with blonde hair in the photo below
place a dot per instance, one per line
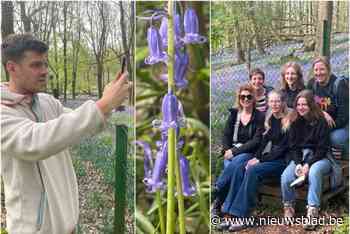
(291, 82)
(242, 134)
(267, 161)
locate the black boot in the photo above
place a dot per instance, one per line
(216, 207)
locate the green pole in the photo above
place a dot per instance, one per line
(120, 178)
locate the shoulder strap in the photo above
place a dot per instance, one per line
(235, 131)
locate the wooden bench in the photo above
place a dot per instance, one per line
(273, 187)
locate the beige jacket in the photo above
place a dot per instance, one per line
(41, 191)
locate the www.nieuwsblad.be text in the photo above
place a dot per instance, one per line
(270, 220)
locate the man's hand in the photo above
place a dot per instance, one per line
(251, 162)
(114, 93)
(228, 154)
(329, 119)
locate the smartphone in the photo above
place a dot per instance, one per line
(123, 64)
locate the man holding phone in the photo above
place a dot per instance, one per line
(41, 191)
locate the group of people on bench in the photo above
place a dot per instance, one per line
(293, 132)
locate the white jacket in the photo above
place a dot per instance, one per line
(41, 191)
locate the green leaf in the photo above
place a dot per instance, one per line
(143, 223)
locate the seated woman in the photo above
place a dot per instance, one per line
(308, 144)
(292, 82)
(268, 162)
(243, 129)
(332, 95)
(257, 80)
(242, 135)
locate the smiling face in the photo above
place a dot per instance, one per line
(291, 77)
(321, 73)
(29, 75)
(246, 99)
(257, 81)
(275, 103)
(302, 107)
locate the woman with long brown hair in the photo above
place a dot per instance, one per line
(308, 144)
(291, 82)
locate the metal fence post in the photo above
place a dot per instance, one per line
(120, 178)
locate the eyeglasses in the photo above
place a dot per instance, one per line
(248, 97)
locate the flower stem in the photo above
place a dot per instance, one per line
(171, 131)
(160, 212)
(180, 197)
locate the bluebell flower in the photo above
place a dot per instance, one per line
(191, 27)
(180, 67)
(187, 188)
(163, 31)
(155, 47)
(157, 181)
(147, 162)
(169, 111)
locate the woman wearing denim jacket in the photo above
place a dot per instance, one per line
(268, 161)
(308, 144)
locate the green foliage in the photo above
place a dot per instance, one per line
(95, 200)
(3, 231)
(344, 227)
(150, 91)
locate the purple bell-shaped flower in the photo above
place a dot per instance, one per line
(163, 31)
(147, 162)
(169, 111)
(181, 65)
(191, 27)
(187, 188)
(155, 47)
(180, 72)
(158, 174)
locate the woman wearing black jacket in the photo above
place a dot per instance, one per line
(248, 123)
(242, 135)
(332, 95)
(308, 143)
(268, 161)
(291, 82)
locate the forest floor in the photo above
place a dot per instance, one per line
(272, 207)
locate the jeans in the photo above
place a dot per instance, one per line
(315, 176)
(340, 139)
(241, 196)
(229, 166)
(238, 159)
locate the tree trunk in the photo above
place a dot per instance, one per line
(6, 18)
(65, 50)
(337, 16)
(124, 33)
(239, 47)
(24, 18)
(99, 78)
(248, 56)
(6, 23)
(76, 49)
(323, 36)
